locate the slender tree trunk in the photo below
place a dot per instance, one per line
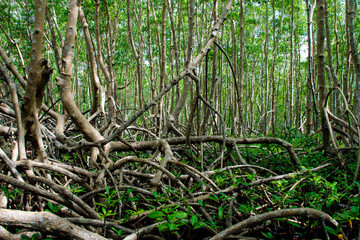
(64, 81)
(187, 81)
(241, 70)
(163, 74)
(355, 56)
(151, 61)
(39, 75)
(276, 38)
(266, 78)
(98, 91)
(310, 117)
(139, 61)
(175, 52)
(321, 70)
(334, 78)
(291, 70)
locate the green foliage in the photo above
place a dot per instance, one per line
(35, 236)
(76, 190)
(268, 235)
(110, 200)
(11, 194)
(118, 231)
(53, 208)
(173, 218)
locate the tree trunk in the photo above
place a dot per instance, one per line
(291, 69)
(39, 75)
(64, 81)
(187, 81)
(355, 56)
(138, 57)
(321, 70)
(266, 71)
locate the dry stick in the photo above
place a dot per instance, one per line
(30, 164)
(274, 178)
(53, 39)
(98, 223)
(149, 145)
(11, 165)
(78, 170)
(125, 160)
(16, 106)
(239, 166)
(46, 194)
(5, 234)
(137, 189)
(307, 212)
(233, 189)
(242, 160)
(197, 81)
(155, 182)
(333, 139)
(181, 164)
(63, 191)
(348, 112)
(207, 216)
(214, 33)
(7, 131)
(292, 188)
(261, 181)
(341, 122)
(142, 231)
(11, 65)
(46, 222)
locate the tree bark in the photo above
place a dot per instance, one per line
(257, 219)
(355, 56)
(64, 81)
(138, 57)
(39, 75)
(321, 70)
(46, 222)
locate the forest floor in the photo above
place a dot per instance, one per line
(189, 191)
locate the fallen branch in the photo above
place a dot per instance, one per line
(292, 212)
(150, 145)
(46, 222)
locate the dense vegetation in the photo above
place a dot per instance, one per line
(179, 119)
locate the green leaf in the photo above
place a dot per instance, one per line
(330, 230)
(294, 224)
(119, 232)
(35, 236)
(193, 220)
(51, 206)
(163, 226)
(221, 212)
(6, 191)
(354, 209)
(156, 214)
(179, 215)
(172, 226)
(103, 210)
(199, 225)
